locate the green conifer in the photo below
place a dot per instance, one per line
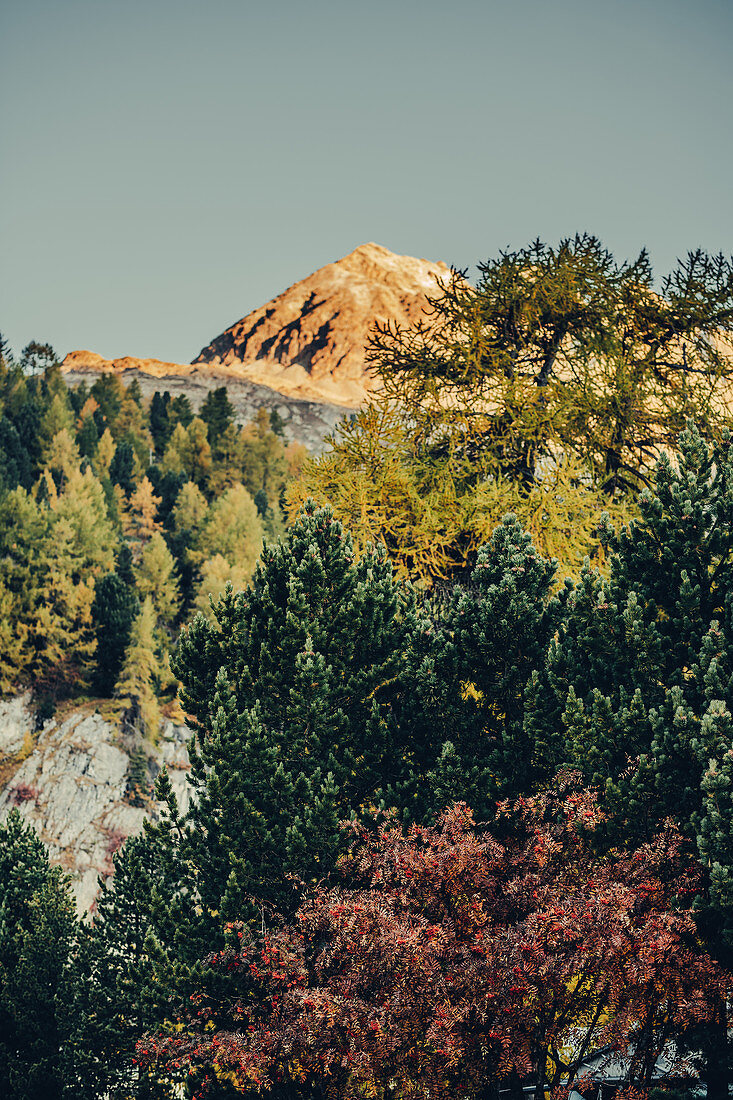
(37, 928)
(641, 678)
(292, 690)
(483, 647)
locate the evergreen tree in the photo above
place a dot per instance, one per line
(36, 358)
(15, 463)
(25, 415)
(483, 651)
(121, 470)
(217, 412)
(121, 987)
(114, 610)
(109, 394)
(37, 927)
(641, 677)
(185, 519)
(181, 411)
(292, 688)
(159, 420)
(166, 487)
(125, 563)
(87, 436)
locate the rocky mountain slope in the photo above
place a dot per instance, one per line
(307, 422)
(71, 782)
(301, 353)
(310, 340)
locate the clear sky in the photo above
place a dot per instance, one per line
(169, 165)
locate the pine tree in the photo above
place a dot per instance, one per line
(481, 647)
(159, 419)
(292, 688)
(114, 610)
(15, 463)
(186, 518)
(121, 983)
(181, 411)
(37, 928)
(217, 412)
(109, 394)
(122, 467)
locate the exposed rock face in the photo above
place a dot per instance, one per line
(307, 422)
(310, 340)
(16, 724)
(72, 788)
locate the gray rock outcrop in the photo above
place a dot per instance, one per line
(73, 787)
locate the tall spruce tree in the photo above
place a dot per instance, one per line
(217, 412)
(121, 981)
(291, 690)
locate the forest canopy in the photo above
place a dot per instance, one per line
(548, 389)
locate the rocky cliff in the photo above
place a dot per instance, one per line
(309, 341)
(71, 781)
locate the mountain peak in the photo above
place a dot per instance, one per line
(309, 341)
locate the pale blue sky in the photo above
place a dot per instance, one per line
(168, 165)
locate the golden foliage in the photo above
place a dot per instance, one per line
(432, 513)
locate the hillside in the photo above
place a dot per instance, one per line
(306, 422)
(71, 781)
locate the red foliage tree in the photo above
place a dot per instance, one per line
(453, 963)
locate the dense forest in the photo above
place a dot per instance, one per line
(118, 519)
(462, 813)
